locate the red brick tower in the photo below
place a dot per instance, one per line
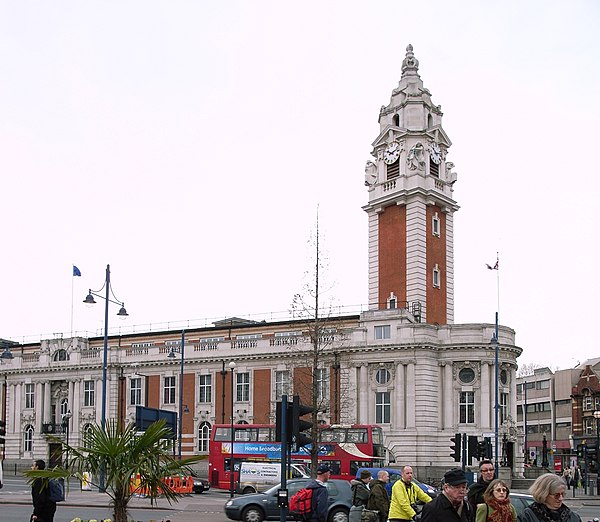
(410, 209)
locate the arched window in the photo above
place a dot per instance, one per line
(87, 430)
(397, 120)
(60, 355)
(64, 407)
(28, 438)
(204, 437)
(429, 121)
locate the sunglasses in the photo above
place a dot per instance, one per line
(490, 470)
(503, 490)
(558, 496)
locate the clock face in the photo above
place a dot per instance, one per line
(391, 153)
(435, 153)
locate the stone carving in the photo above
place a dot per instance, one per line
(416, 157)
(370, 174)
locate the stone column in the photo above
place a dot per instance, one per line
(399, 422)
(76, 410)
(410, 395)
(48, 402)
(485, 406)
(39, 406)
(363, 394)
(447, 401)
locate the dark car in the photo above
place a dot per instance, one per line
(395, 474)
(520, 501)
(200, 485)
(262, 506)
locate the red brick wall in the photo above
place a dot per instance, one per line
(262, 396)
(436, 254)
(153, 391)
(392, 255)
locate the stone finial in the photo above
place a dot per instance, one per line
(410, 62)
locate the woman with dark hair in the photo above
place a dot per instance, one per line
(43, 507)
(496, 506)
(548, 492)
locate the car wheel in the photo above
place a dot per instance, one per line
(338, 515)
(252, 514)
(247, 490)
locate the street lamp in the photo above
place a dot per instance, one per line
(597, 417)
(66, 420)
(231, 459)
(495, 341)
(172, 354)
(89, 300)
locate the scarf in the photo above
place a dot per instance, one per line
(562, 514)
(502, 511)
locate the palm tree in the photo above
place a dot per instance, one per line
(120, 453)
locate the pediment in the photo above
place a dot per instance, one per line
(435, 133)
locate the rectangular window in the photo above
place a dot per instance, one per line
(435, 225)
(467, 407)
(588, 426)
(383, 332)
(89, 398)
(382, 407)
(30, 395)
(135, 391)
(542, 385)
(169, 390)
(204, 388)
(503, 407)
(322, 376)
(282, 383)
(243, 387)
(587, 403)
(436, 277)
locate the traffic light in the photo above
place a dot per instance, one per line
(456, 447)
(278, 422)
(488, 448)
(299, 425)
(472, 448)
(580, 451)
(2, 431)
(482, 449)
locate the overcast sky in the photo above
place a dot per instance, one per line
(189, 144)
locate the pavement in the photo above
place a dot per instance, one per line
(186, 509)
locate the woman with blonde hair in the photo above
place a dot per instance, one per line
(548, 492)
(497, 506)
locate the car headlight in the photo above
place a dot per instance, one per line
(229, 503)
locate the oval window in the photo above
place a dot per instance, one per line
(382, 376)
(466, 375)
(503, 377)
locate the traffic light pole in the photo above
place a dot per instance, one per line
(284, 453)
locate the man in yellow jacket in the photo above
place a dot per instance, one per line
(405, 495)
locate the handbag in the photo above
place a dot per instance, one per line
(369, 515)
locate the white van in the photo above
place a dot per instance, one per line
(260, 476)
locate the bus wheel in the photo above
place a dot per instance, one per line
(247, 490)
(252, 514)
(339, 515)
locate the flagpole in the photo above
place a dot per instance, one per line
(72, 277)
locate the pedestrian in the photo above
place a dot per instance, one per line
(577, 477)
(566, 474)
(450, 505)
(43, 507)
(360, 495)
(476, 491)
(548, 493)
(320, 498)
(379, 499)
(496, 506)
(405, 496)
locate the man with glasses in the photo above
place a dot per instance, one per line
(451, 504)
(486, 475)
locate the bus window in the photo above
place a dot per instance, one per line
(264, 435)
(222, 434)
(357, 435)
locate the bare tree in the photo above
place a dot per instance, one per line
(324, 335)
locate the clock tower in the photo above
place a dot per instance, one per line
(410, 208)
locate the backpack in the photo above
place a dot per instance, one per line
(301, 504)
(57, 490)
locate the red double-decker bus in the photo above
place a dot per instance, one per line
(346, 448)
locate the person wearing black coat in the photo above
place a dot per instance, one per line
(43, 507)
(450, 505)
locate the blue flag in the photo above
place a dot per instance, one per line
(76, 271)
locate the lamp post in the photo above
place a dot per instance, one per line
(172, 355)
(223, 375)
(66, 421)
(597, 417)
(496, 343)
(89, 300)
(231, 459)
